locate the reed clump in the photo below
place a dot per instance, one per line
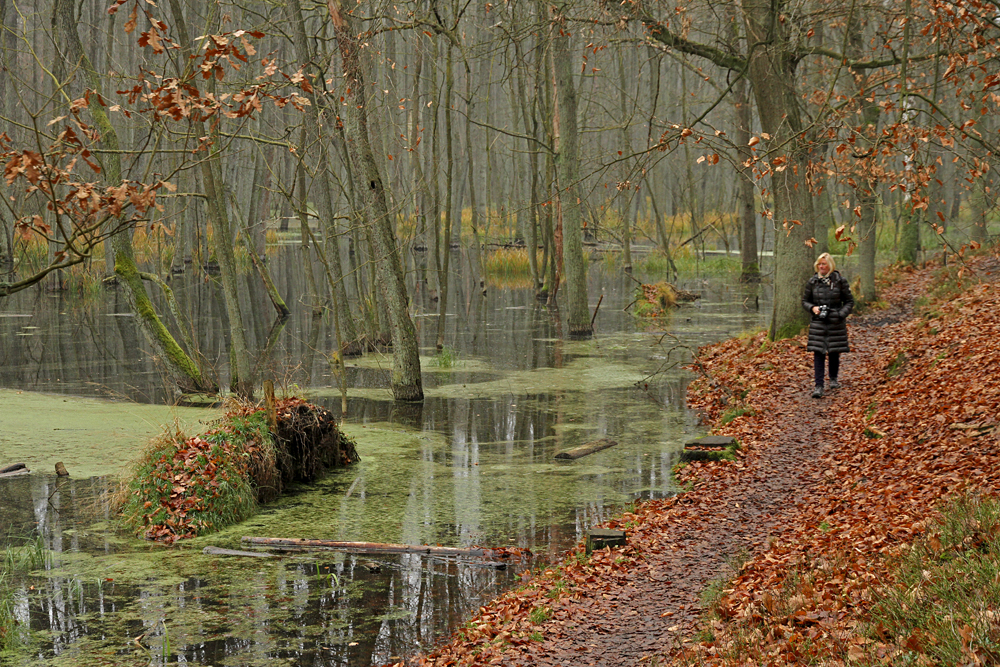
(656, 299)
(508, 268)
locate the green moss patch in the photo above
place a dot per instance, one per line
(184, 486)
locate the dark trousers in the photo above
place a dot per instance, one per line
(819, 361)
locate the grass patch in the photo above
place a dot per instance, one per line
(446, 358)
(898, 365)
(655, 263)
(734, 413)
(722, 267)
(508, 268)
(30, 556)
(539, 615)
(944, 604)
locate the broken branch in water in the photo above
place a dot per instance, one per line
(584, 450)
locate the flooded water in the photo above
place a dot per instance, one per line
(472, 465)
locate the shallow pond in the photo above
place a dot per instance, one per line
(472, 465)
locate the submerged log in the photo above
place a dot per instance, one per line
(14, 473)
(363, 547)
(589, 448)
(13, 467)
(218, 551)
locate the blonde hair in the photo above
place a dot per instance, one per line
(829, 260)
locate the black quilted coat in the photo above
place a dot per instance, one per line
(829, 335)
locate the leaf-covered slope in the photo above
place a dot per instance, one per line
(823, 498)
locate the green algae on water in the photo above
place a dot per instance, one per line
(91, 436)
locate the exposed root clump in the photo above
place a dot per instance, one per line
(184, 486)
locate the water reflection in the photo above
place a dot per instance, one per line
(472, 464)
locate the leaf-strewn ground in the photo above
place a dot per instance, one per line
(778, 557)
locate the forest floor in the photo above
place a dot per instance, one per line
(781, 556)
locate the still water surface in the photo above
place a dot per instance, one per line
(472, 465)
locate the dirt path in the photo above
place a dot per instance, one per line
(818, 490)
(646, 611)
(644, 605)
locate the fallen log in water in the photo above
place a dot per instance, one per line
(218, 551)
(14, 470)
(366, 547)
(589, 448)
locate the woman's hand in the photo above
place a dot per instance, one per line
(815, 310)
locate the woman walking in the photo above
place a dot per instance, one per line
(828, 299)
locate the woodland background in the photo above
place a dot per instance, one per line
(379, 129)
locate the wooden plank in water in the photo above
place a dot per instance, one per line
(584, 450)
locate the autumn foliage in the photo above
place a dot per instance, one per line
(920, 426)
(829, 502)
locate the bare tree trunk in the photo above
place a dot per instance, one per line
(324, 192)
(624, 210)
(531, 129)
(477, 248)
(866, 182)
(772, 75)
(406, 381)
(222, 237)
(568, 175)
(745, 178)
(305, 236)
(449, 197)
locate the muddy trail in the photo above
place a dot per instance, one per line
(645, 611)
(636, 605)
